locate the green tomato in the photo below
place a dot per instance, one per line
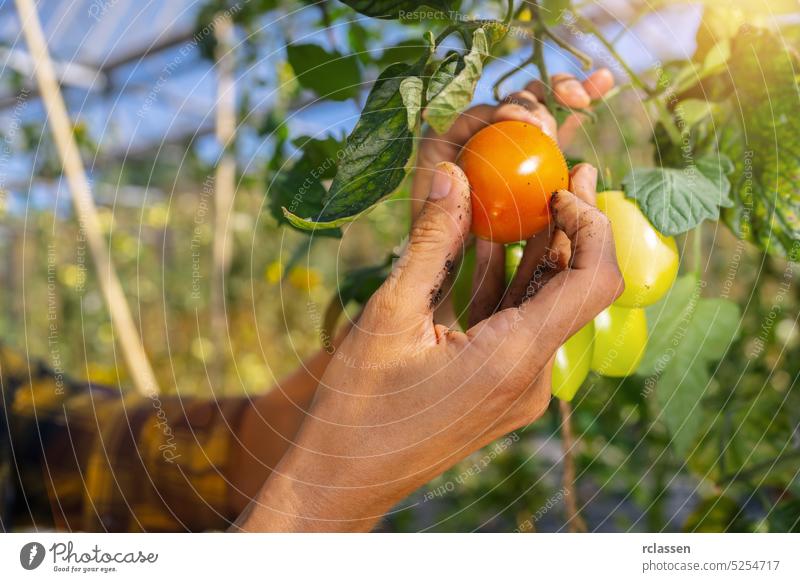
(571, 364)
(620, 338)
(647, 259)
(513, 257)
(462, 287)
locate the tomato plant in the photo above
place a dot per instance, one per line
(699, 152)
(513, 167)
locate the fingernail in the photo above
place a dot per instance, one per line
(441, 185)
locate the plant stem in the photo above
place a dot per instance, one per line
(697, 250)
(444, 34)
(509, 13)
(586, 60)
(510, 73)
(574, 520)
(538, 31)
(634, 77)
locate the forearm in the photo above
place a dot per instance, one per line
(269, 426)
(294, 499)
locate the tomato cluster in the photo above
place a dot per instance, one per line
(513, 168)
(614, 343)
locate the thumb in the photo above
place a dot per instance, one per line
(437, 239)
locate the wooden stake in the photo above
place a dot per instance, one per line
(224, 189)
(121, 319)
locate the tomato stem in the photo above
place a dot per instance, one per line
(574, 519)
(538, 31)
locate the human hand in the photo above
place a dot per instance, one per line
(525, 105)
(405, 398)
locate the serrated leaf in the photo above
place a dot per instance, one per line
(329, 74)
(456, 95)
(678, 199)
(390, 10)
(411, 92)
(687, 334)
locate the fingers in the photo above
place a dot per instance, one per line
(488, 281)
(548, 252)
(524, 106)
(437, 238)
(572, 297)
(583, 183)
(572, 93)
(588, 229)
(598, 84)
(538, 266)
(445, 148)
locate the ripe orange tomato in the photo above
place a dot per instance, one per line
(513, 168)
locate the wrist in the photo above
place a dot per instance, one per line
(310, 492)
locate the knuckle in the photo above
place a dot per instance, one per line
(382, 302)
(427, 233)
(610, 283)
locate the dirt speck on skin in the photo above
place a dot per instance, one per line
(436, 297)
(436, 293)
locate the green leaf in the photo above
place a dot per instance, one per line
(456, 95)
(687, 334)
(411, 92)
(329, 74)
(691, 111)
(391, 10)
(407, 51)
(676, 200)
(375, 157)
(445, 72)
(321, 154)
(359, 284)
(299, 190)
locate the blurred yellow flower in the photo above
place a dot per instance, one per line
(157, 216)
(305, 279)
(273, 273)
(202, 348)
(72, 276)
